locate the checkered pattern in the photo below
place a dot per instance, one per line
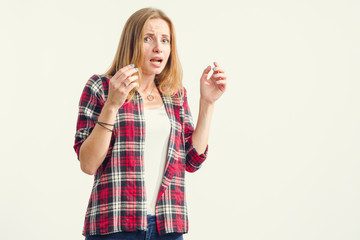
(118, 198)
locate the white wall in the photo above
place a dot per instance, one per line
(284, 148)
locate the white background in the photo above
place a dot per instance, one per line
(284, 147)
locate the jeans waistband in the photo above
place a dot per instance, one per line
(151, 218)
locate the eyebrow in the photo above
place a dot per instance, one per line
(151, 34)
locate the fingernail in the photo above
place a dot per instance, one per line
(216, 63)
(215, 68)
(217, 82)
(215, 75)
(132, 65)
(136, 69)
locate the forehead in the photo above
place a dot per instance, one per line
(157, 25)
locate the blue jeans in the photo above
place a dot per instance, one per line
(150, 234)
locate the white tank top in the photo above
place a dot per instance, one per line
(156, 144)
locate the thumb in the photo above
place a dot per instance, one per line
(206, 72)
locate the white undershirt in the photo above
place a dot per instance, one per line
(156, 145)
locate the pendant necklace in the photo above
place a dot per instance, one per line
(150, 97)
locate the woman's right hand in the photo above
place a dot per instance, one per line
(120, 85)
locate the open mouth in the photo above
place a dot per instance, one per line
(158, 60)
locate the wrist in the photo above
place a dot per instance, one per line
(108, 113)
(205, 104)
(206, 109)
(108, 106)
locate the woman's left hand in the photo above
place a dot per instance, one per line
(212, 89)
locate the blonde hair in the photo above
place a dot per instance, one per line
(130, 51)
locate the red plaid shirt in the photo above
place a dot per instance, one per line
(118, 198)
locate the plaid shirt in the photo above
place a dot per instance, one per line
(118, 198)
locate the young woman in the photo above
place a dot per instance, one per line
(136, 136)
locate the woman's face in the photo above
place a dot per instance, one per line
(156, 47)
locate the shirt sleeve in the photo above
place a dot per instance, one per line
(194, 160)
(90, 105)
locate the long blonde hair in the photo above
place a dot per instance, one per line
(130, 50)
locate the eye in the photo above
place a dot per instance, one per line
(147, 39)
(165, 40)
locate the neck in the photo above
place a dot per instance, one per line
(147, 82)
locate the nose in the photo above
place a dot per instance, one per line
(158, 47)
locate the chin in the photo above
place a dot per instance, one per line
(158, 72)
(153, 72)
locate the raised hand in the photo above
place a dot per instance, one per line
(211, 89)
(121, 84)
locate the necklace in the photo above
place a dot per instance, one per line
(150, 97)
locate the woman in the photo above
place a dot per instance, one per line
(135, 134)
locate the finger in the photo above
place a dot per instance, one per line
(218, 69)
(122, 70)
(125, 75)
(219, 76)
(128, 73)
(129, 80)
(131, 86)
(221, 82)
